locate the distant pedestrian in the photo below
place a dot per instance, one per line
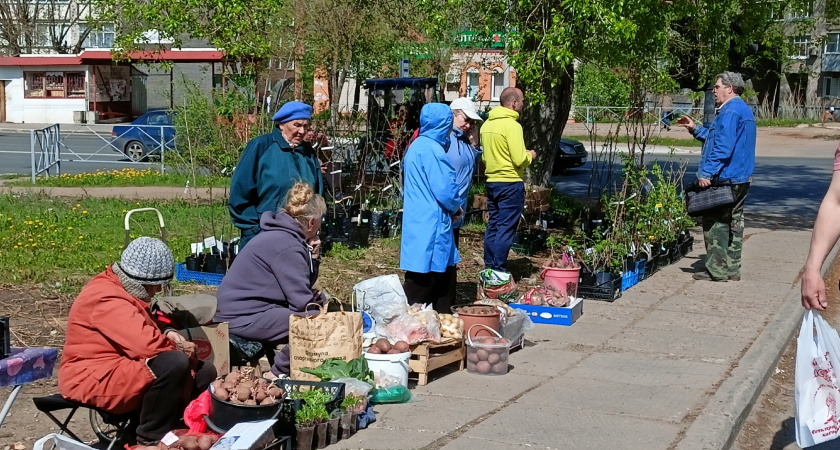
(505, 159)
(728, 156)
(431, 202)
(825, 236)
(270, 165)
(828, 115)
(667, 111)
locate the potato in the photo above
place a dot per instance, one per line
(503, 341)
(205, 442)
(243, 393)
(221, 394)
(402, 346)
(493, 358)
(260, 394)
(261, 382)
(503, 356)
(500, 367)
(482, 354)
(248, 384)
(275, 391)
(374, 350)
(229, 386)
(472, 357)
(250, 402)
(218, 385)
(188, 442)
(267, 401)
(393, 351)
(471, 366)
(383, 345)
(232, 377)
(482, 367)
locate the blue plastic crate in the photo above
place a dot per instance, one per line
(627, 280)
(211, 279)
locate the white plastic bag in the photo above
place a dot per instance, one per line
(817, 389)
(381, 297)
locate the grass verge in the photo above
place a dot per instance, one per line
(783, 122)
(63, 242)
(126, 177)
(654, 140)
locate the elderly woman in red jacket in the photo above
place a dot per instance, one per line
(117, 359)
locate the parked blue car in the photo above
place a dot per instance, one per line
(144, 136)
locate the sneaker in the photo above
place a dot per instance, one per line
(735, 277)
(704, 276)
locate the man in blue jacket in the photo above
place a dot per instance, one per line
(728, 157)
(427, 248)
(270, 165)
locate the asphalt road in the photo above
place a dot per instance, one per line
(15, 157)
(786, 191)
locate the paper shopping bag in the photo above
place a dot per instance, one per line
(313, 339)
(817, 389)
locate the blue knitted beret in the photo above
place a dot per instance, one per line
(292, 111)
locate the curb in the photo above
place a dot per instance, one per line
(721, 420)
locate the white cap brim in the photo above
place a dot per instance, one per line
(472, 115)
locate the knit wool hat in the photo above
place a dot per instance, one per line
(293, 110)
(148, 261)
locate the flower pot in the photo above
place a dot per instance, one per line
(489, 317)
(587, 278)
(347, 423)
(193, 263)
(564, 281)
(333, 430)
(353, 423)
(303, 437)
(321, 435)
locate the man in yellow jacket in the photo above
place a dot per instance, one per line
(505, 159)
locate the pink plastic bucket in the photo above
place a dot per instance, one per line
(559, 279)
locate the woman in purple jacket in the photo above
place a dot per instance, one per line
(272, 278)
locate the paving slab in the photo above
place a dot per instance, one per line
(610, 313)
(571, 428)
(648, 370)
(377, 438)
(734, 326)
(464, 385)
(686, 344)
(544, 361)
(619, 396)
(440, 414)
(472, 443)
(581, 333)
(722, 306)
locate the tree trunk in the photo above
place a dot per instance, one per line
(300, 46)
(357, 93)
(543, 124)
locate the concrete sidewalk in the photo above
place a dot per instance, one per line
(66, 128)
(673, 363)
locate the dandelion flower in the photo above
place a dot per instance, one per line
(69, 228)
(84, 212)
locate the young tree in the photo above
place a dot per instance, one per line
(28, 26)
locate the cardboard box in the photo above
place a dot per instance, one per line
(480, 202)
(247, 436)
(212, 345)
(553, 315)
(536, 198)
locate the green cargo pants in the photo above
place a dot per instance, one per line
(723, 233)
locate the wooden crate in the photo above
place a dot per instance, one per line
(426, 357)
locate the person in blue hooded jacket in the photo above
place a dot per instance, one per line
(431, 201)
(270, 165)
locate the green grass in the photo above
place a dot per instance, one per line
(64, 242)
(125, 177)
(783, 122)
(343, 253)
(654, 140)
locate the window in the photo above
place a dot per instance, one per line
(777, 10)
(805, 12)
(472, 84)
(831, 87)
(54, 84)
(98, 38)
(801, 47)
(498, 83)
(832, 43)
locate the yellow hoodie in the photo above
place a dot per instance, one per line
(504, 152)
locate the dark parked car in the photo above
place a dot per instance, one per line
(570, 154)
(144, 136)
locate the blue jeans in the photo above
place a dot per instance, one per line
(505, 203)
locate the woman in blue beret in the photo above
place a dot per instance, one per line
(270, 165)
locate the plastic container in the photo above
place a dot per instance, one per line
(211, 279)
(395, 365)
(559, 279)
(487, 355)
(490, 317)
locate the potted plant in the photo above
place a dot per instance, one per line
(305, 427)
(316, 400)
(351, 406)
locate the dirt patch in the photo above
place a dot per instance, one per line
(771, 425)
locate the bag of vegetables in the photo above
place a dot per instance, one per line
(315, 339)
